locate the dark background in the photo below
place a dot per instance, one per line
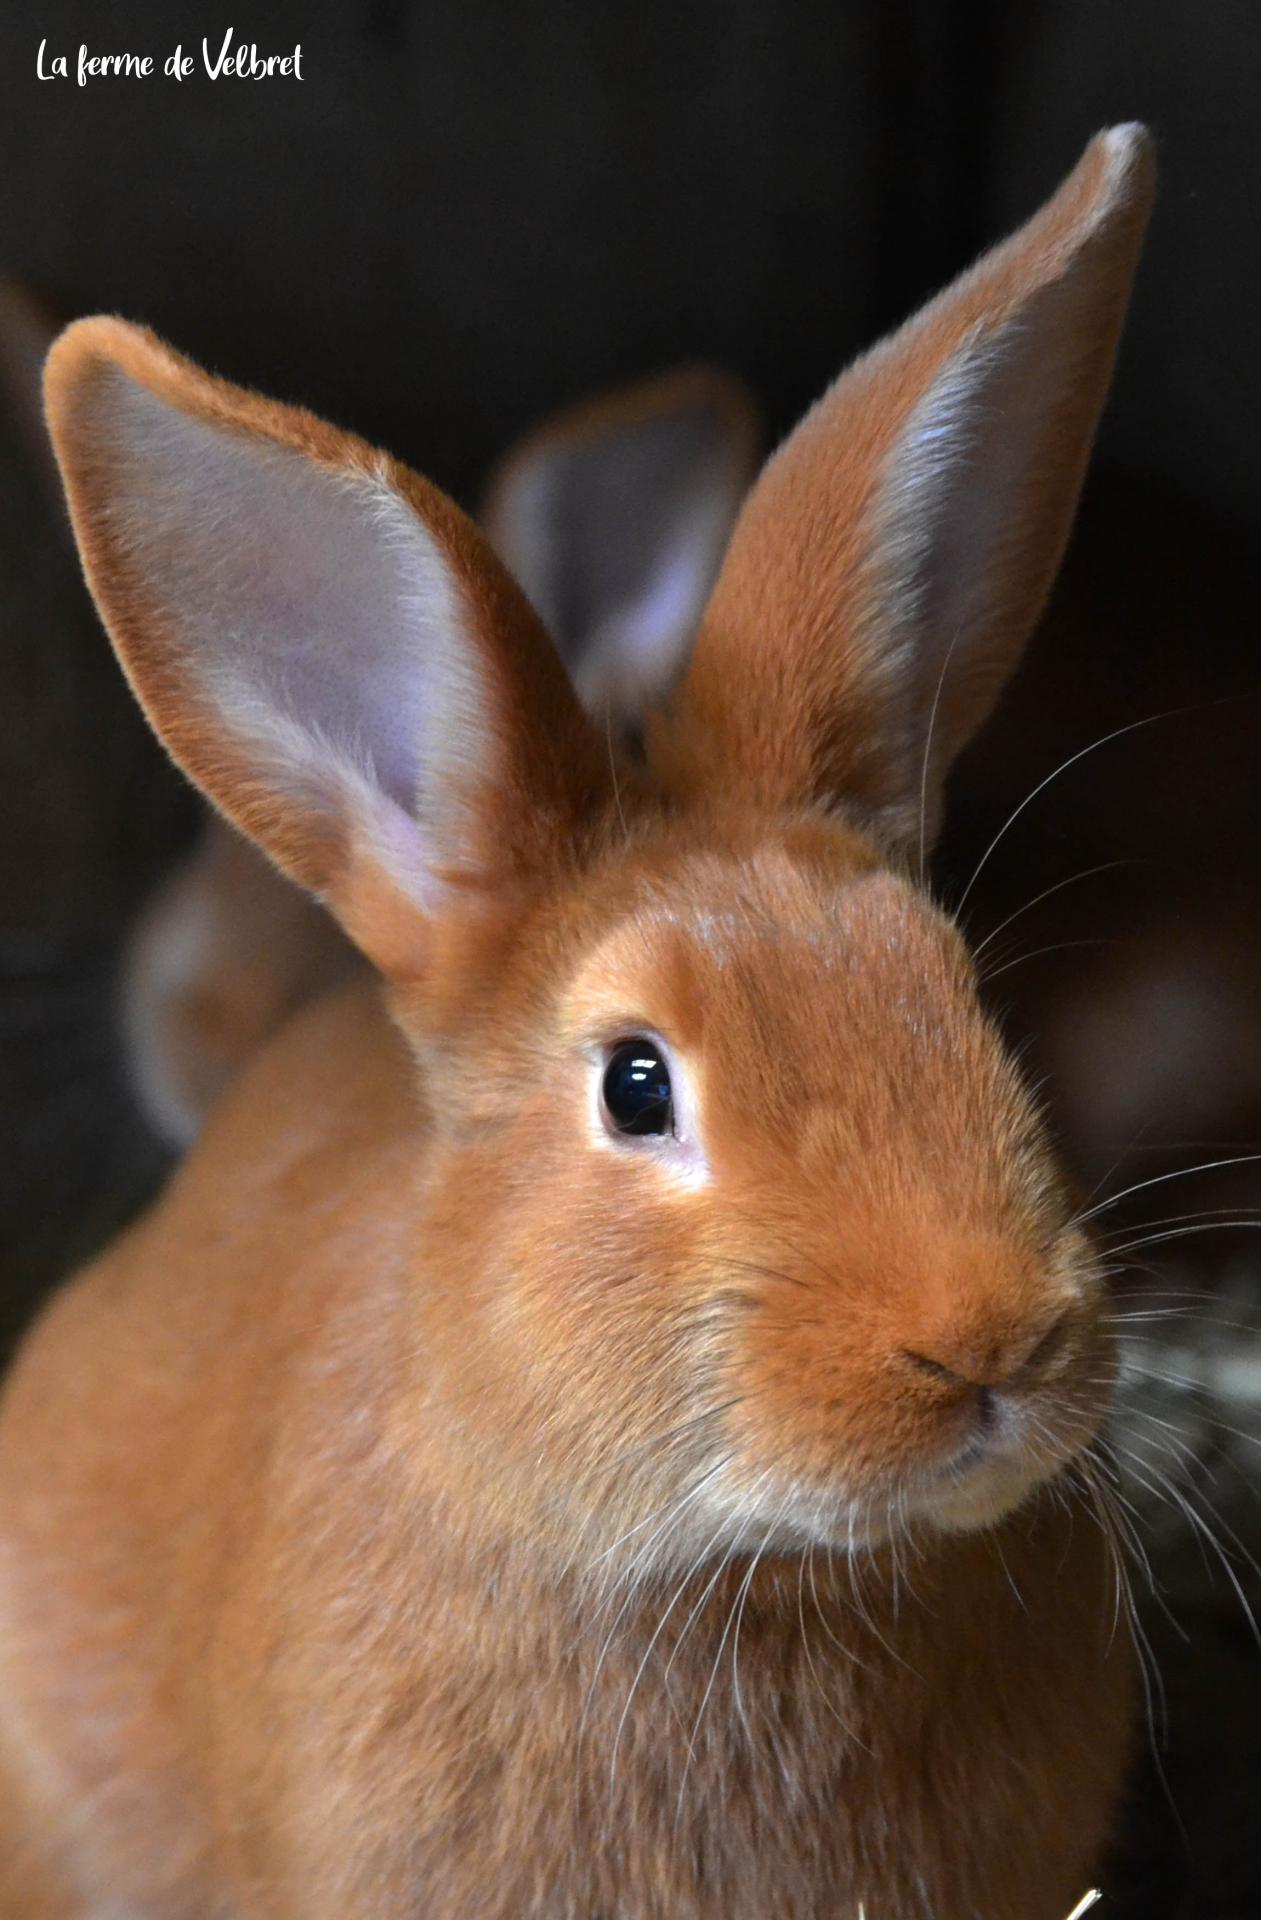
(465, 213)
(468, 214)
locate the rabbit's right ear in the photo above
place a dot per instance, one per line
(615, 515)
(325, 644)
(895, 554)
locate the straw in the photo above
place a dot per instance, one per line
(1084, 1905)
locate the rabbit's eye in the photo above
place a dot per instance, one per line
(637, 1097)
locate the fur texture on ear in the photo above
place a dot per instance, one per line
(896, 552)
(615, 516)
(325, 644)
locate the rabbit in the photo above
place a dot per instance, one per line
(600, 1423)
(613, 516)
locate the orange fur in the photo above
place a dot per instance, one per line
(439, 1505)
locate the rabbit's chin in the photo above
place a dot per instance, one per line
(982, 1497)
(987, 1482)
(977, 1490)
(978, 1499)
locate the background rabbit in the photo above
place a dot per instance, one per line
(716, 1197)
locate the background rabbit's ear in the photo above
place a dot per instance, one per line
(322, 640)
(224, 952)
(896, 552)
(615, 517)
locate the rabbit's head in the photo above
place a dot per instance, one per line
(737, 1227)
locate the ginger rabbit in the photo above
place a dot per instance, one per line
(599, 1425)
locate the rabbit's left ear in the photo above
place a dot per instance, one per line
(322, 641)
(614, 516)
(896, 552)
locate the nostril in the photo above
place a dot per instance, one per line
(936, 1369)
(986, 1404)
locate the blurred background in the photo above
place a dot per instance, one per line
(467, 215)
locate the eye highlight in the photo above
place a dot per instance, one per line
(636, 1094)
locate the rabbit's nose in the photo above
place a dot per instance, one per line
(1004, 1364)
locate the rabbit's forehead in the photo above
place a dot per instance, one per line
(767, 953)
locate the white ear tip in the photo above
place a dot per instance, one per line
(1127, 145)
(1127, 136)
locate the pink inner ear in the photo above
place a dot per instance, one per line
(297, 595)
(962, 551)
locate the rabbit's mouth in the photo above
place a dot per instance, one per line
(1019, 1442)
(993, 1467)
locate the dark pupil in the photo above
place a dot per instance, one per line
(637, 1089)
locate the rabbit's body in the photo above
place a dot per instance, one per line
(616, 1450)
(416, 1708)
